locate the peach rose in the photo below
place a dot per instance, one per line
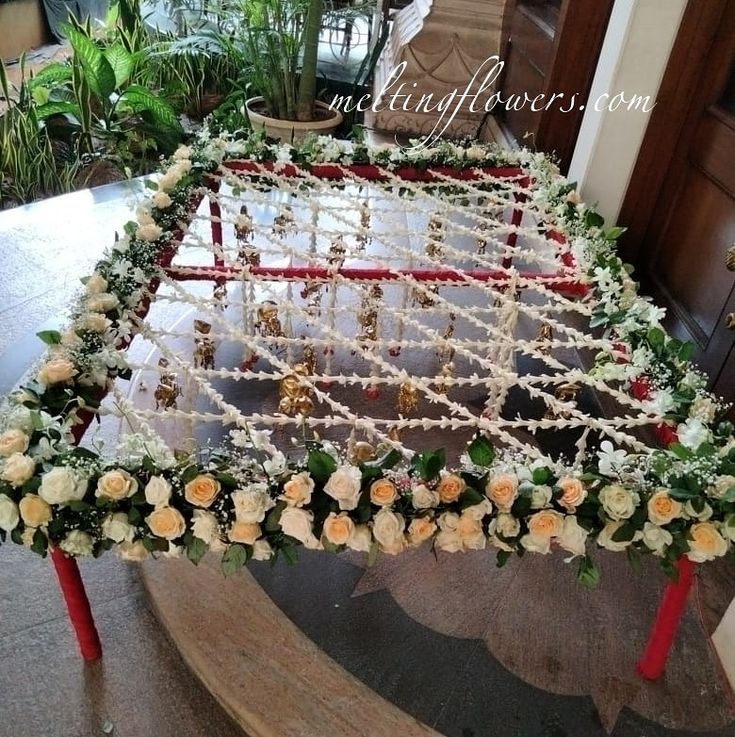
(57, 371)
(17, 469)
(450, 487)
(573, 492)
(420, 529)
(34, 511)
(662, 508)
(469, 529)
(244, 532)
(705, 542)
(13, 441)
(166, 522)
(542, 527)
(383, 492)
(116, 485)
(502, 490)
(202, 490)
(338, 528)
(298, 489)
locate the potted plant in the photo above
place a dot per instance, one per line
(282, 39)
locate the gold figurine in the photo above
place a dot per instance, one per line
(545, 336)
(205, 348)
(243, 225)
(364, 237)
(361, 452)
(564, 393)
(408, 398)
(295, 397)
(219, 295)
(337, 251)
(269, 325)
(367, 317)
(447, 373)
(285, 222)
(167, 391)
(423, 298)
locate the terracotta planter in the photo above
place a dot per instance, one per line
(292, 130)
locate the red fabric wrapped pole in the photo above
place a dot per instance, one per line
(77, 603)
(653, 663)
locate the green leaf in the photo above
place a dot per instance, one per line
(98, 73)
(680, 451)
(588, 574)
(273, 520)
(57, 108)
(656, 337)
(470, 497)
(372, 556)
(40, 543)
(541, 476)
(50, 337)
(481, 451)
(290, 553)
(234, 558)
(502, 558)
(321, 465)
(686, 352)
(51, 75)
(625, 533)
(593, 220)
(195, 550)
(121, 62)
(189, 474)
(162, 114)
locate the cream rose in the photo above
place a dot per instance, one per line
(262, 550)
(662, 508)
(470, 531)
(116, 485)
(338, 528)
(202, 490)
(117, 527)
(34, 511)
(705, 543)
(251, 504)
(505, 525)
(298, 489)
(9, 516)
(541, 497)
(102, 302)
(361, 540)
(502, 490)
(618, 502)
(420, 529)
(94, 322)
(244, 532)
(344, 486)
(702, 515)
(388, 531)
(161, 200)
(61, 485)
(17, 469)
(450, 487)
(13, 441)
(166, 522)
(133, 551)
(573, 537)
(149, 232)
(204, 526)
(604, 539)
(96, 284)
(424, 498)
(656, 538)
(77, 543)
(721, 486)
(158, 491)
(573, 492)
(448, 538)
(57, 370)
(542, 527)
(383, 492)
(299, 524)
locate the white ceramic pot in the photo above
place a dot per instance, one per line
(292, 130)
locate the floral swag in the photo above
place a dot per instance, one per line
(248, 501)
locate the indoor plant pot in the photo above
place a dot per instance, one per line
(292, 130)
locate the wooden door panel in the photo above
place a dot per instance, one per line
(689, 267)
(714, 147)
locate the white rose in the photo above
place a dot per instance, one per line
(161, 200)
(361, 540)
(96, 284)
(62, 484)
(540, 497)
(693, 433)
(13, 441)
(298, 489)
(116, 484)
(344, 486)
(182, 153)
(9, 514)
(388, 531)
(298, 523)
(135, 552)
(77, 543)
(251, 504)
(721, 486)
(618, 502)
(17, 469)
(728, 527)
(656, 538)
(507, 526)
(262, 550)
(448, 537)
(116, 527)
(604, 539)
(149, 232)
(94, 322)
(703, 409)
(158, 491)
(103, 302)
(573, 536)
(423, 497)
(469, 528)
(702, 516)
(204, 526)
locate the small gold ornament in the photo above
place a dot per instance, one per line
(545, 336)
(204, 351)
(423, 298)
(564, 393)
(243, 225)
(408, 398)
(168, 390)
(219, 295)
(730, 258)
(394, 434)
(337, 251)
(364, 237)
(312, 294)
(482, 238)
(367, 317)
(269, 325)
(309, 359)
(285, 222)
(295, 397)
(362, 452)
(447, 373)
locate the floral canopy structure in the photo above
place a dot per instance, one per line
(340, 311)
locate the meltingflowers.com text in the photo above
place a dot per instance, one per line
(395, 96)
